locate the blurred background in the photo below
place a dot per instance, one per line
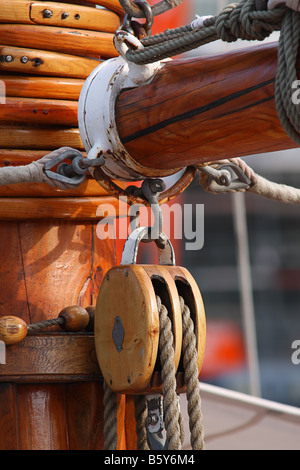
(250, 281)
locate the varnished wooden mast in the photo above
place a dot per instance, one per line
(202, 109)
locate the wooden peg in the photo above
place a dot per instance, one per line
(75, 318)
(12, 329)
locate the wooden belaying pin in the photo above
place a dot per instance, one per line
(14, 329)
(75, 318)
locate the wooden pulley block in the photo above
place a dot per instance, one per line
(127, 318)
(127, 324)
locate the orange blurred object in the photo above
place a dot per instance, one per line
(178, 16)
(225, 350)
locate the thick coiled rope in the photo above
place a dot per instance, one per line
(236, 21)
(168, 375)
(287, 75)
(190, 367)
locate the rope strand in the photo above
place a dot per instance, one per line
(236, 21)
(189, 351)
(166, 349)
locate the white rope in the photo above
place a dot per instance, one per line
(259, 185)
(33, 172)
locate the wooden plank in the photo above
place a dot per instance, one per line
(63, 14)
(56, 88)
(45, 62)
(85, 416)
(13, 291)
(16, 11)
(204, 109)
(39, 111)
(42, 417)
(51, 358)
(68, 260)
(9, 433)
(84, 208)
(90, 188)
(34, 138)
(74, 16)
(56, 39)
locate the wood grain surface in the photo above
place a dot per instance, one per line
(28, 86)
(204, 109)
(56, 39)
(45, 62)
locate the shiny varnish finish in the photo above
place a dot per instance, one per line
(204, 109)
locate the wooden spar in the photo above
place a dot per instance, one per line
(204, 109)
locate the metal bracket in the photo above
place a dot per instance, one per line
(74, 173)
(149, 190)
(226, 177)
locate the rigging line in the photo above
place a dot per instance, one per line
(246, 291)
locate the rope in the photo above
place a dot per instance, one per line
(45, 324)
(237, 21)
(287, 109)
(172, 415)
(259, 185)
(191, 379)
(141, 412)
(170, 402)
(110, 418)
(33, 172)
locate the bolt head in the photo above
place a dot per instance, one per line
(47, 13)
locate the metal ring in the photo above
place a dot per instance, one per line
(148, 15)
(135, 11)
(145, 6)
(112, 188)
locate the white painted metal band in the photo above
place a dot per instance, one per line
(96, 111)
